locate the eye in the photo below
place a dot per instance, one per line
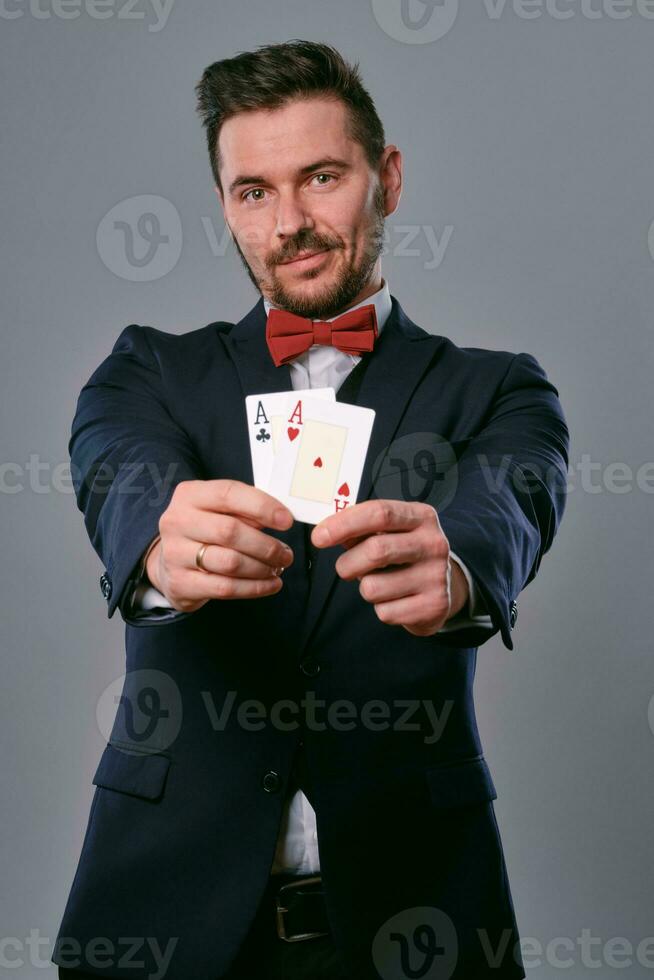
(329, 177)
(255, 190)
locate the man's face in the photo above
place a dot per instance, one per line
(293, 183)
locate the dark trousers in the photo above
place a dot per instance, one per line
(264, 956)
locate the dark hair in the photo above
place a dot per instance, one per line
(275, 74)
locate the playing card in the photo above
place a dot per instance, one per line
(265, 415)
(322, 449)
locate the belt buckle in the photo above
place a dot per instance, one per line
(281, 909)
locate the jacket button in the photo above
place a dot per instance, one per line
(272, 782)
(310, 668)
(513, 613)
(105, 586)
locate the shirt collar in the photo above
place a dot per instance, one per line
(381, 300)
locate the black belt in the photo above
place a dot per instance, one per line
(299, 907)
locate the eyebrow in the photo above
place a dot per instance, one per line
(243, 179)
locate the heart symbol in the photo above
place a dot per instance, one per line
(292, 433)
(317, 461)
(344, 490)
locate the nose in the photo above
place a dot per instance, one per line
(292, 217)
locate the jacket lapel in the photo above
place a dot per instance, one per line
(247, 345)
(401, 357)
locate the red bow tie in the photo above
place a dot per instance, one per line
(288, 335)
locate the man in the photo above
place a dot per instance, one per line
(233, 833)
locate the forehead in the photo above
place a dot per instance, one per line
(278, 141)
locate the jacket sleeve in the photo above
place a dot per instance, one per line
(127, 456)
(509, 495)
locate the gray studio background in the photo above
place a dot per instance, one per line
(528, 146)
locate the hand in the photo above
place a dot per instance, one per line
(241, 561)
(422, 587)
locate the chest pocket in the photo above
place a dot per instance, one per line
(460, 783)
(136, 772)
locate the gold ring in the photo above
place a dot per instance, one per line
(200, 555)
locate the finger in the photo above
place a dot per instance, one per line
(379, 551)
(235, 533)
(385, 586)
(414, 611)
(200, 585)
(367, 518)
(235, 497)
(226, 561)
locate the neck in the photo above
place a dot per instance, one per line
(373, 286)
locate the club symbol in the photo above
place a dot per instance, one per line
(263, 435)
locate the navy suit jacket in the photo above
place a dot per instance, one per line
(189, 794)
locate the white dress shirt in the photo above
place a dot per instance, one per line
(319, 367)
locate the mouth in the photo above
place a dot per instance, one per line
(306, 258)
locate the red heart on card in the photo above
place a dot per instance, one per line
(344, 490)
(292, 433)
(317, 461)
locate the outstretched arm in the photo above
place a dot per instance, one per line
(127, 456)
(507, 504)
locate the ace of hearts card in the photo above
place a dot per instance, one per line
(321, 451)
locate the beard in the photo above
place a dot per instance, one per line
(350, 280)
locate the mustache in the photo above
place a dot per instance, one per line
(293, 249)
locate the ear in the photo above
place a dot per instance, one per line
(390, 175)
(221, 201)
